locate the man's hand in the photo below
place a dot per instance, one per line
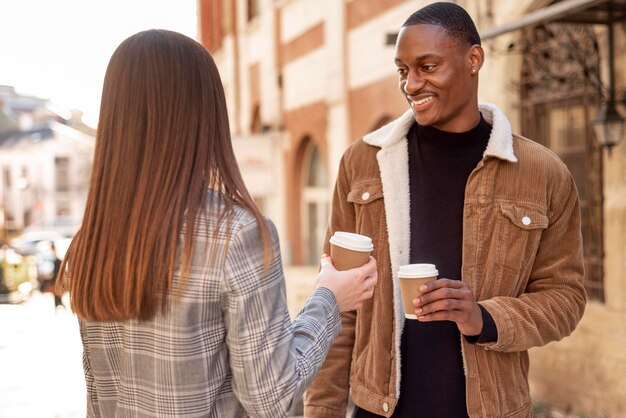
(450, 300)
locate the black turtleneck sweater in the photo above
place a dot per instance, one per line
(433, 382)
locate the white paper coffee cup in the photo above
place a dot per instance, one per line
(349, 250)
(352, 241)
(412, 276)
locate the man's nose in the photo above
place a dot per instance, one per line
(413, 83)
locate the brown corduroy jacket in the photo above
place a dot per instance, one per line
(522, 258)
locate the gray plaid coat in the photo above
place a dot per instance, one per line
(227, 346)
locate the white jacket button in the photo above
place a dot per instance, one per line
(526, 220)
(365, 196)
(385, 407)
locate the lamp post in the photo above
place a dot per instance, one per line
(608, 124)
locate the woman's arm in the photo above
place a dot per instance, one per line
(272, 359)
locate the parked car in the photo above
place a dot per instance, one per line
(65, 227)
(18, 275)
(26, 243)
(37, 245)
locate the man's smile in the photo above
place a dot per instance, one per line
(420, 101)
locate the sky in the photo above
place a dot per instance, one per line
(59, 49)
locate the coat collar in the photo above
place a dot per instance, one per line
(500, 143)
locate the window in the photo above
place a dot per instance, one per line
(315, 202)
(559, 99)
(62, 174)
(7, 214)
(253, 9)
(7, 179)
(63, 209)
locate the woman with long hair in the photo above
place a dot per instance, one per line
(175, 275)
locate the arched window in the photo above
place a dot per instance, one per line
(314, 203)
(381, 122)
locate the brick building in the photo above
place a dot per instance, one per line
(305, 78)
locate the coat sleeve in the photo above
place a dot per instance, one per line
(272, 358)
(554, 300)
(328, 394)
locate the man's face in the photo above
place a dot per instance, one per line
(435, 73)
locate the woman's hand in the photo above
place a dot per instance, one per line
(350, 287)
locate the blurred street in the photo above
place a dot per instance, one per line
(41, 372)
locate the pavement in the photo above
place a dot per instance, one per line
(41, 373)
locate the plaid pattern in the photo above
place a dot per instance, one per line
(227, 347)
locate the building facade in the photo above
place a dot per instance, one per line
(44, 167)
(305, 78)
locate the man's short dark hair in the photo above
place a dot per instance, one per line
(453, 18)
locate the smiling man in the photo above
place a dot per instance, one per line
(448, 183)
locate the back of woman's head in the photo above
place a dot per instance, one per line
(163, 140)
(163, 113)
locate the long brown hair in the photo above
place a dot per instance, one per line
(163, 141)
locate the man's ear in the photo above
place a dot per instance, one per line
(476, 57)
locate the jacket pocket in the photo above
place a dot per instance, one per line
(369, 209)
(366, 192)
(525, 218)
(519, 233)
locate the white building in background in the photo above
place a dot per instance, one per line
(44, 168)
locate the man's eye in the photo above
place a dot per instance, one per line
(428, 67)
(401, 71)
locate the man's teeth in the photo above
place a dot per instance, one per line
(422, 101)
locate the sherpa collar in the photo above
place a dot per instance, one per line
(500, 143)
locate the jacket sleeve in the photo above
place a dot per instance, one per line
(328, 394)
(554, 300)
(272, 358)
